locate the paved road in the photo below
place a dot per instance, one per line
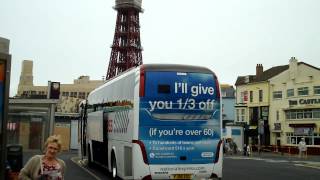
(265, 167)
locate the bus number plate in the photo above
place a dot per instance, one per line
(182, 176)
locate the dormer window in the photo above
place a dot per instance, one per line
(247, 79)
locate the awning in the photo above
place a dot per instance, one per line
(303, 125)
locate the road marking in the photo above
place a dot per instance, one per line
(260, 159)
(276, 161)
(310, 164)
(315, 166)
(80, 164)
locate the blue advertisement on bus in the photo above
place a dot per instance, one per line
(180, 118)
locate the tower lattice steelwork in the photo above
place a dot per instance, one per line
(126, 46)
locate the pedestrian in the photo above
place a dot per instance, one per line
(46, 166)
(235, 148)
(245, 150)
(227, 147)
(231, 146)
(302, 148)
(248, 150)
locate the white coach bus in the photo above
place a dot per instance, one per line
(156, 122)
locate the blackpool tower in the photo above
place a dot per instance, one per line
(126, 46)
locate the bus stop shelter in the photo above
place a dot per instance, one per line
(30, 122)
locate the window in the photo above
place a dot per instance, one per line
(310, 138)
(308, 114)
(243, 96)
(290, 92)
(277, 95)
(288, 115)
(81, 95)
(316, 90)
(240, 115)
(73, 94)
(277, 115)
(65, 93)
(251, 96)
(164, 89)
(303, 91)
(260, 95)
(304, 114)
(316, 113)
(293, 114)
(299, 114)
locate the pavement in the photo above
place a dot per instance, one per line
(74, 170)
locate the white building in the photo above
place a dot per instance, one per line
(295, 105)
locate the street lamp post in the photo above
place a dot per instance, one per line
(260, 133)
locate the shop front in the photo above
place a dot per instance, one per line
(306, 131)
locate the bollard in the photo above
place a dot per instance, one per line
(14, 157)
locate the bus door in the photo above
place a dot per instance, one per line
(82, 129)
(106, 127)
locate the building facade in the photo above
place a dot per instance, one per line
(228, 102)
(281, 105)
(29, 125)
(295, 105)
(252, 104)
(70, 94)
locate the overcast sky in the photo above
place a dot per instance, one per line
(69, 38)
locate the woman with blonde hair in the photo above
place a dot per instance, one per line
(46, 166)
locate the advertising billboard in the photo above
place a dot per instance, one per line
(180, 118)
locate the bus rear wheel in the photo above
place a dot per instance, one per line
(89, 157)
(114, 169)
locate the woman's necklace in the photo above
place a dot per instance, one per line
(49, 161)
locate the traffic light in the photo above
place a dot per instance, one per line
(54, 90)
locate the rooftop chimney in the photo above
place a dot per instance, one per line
(4, 45)
(259, 70)
(293, 67)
